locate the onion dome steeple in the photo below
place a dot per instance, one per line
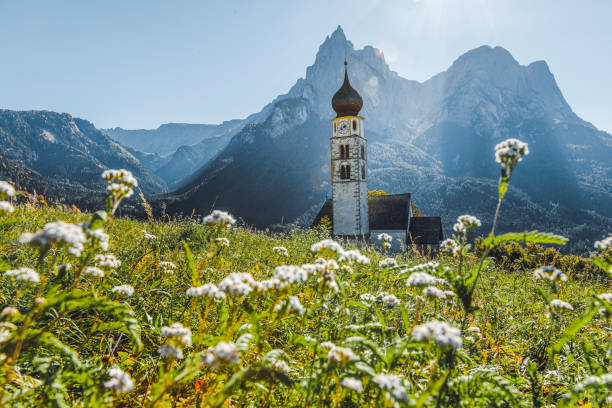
(347, 101)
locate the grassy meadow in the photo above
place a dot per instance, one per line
(202, 312)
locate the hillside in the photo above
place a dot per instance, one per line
(67, 150)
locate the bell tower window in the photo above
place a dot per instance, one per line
(362, 172)
(363, 152)
(354, 125)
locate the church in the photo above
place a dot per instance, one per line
(354, 214)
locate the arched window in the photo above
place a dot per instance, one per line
(362, 172)
(334, 127)
(354, 125)
(342, 172)
(363, 151)
(348, 172)
(346, 151)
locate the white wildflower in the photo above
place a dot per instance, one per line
(420, 279)
(606, 297)
(208, 289)
(292, 304)
(450, 246)
(9, 311)
(6, 190)
(433, 292)
(125, 290)
(442, 333)
(510, 151)
(99, 236)
(237, 283)
(292, 273)
(119, 381)
(223, 242)
(177, 331)
(367, 297)
(218, 217)
(107, 261)
(339, 355)
(281, 250)
(347, 269)
(429, 266)
(167, 267)
(449, 294)
(588, 382)
(23, 274)
(354, 256)
(604, 243)
(393, 384)
(94, 271)
(352, 384)
(559, 304)
(167, 350)
(57, 233)
(6, 207)
(280, 365)
(473, 329)
(551, 273)
(387, 263)
(327, 244)
(466, 223)
(6, 331)
(391, 300)
(385, 240)
(148, 236)
(327, 345)
(222, 353)
(121, 182)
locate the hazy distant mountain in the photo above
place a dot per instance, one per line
(67, 150)
(434, 139)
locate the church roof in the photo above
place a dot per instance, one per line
(347, 101)
(425, 230)
(385, 212)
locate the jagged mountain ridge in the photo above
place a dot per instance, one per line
(67, 150)
(434, 139)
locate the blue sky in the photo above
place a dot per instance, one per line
(138, 64)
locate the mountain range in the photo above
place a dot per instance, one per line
(434, 139)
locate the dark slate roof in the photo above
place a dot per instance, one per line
(387, 212)
(425, 230)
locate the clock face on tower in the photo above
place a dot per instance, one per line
(343, 127)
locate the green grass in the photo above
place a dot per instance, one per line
(509, 363)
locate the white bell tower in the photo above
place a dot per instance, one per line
(349, 168)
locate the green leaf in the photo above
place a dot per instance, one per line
(354, 303)
(535, 237)
(574, 328)
(603, 265)
(97, 220)
(191, 264)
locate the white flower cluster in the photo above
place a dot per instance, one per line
(387, 263)
(588, 382)
(6, 190)
(6, 207)
(292, 304)
(420, 279)
(23, 274)
(347, 269)
(354, 256)
(429, 266)
(120, 182)
(237, 283)
(100, 237)
(148, 236)
(604, 243)
(442, 333)
(559, 304)
(218, 217)
(167, 267)
(208, 289)
(367, 297)
(94, 271)
(466, 223)
(119, 381)
(107, 261)
(352, 384)
(222, 353)
(391, 300)
(281, 250)
(450, 246)
(280, 365)
(393, 384)
(59, 233)
(385, 240)
(180, 336)
(550, 273)
(349, 256)
(125, 290)
(293, 273)
(606, 297)
(327, 244)
(433, 292)
(223, 242)
(510, 151)
(337, 355)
